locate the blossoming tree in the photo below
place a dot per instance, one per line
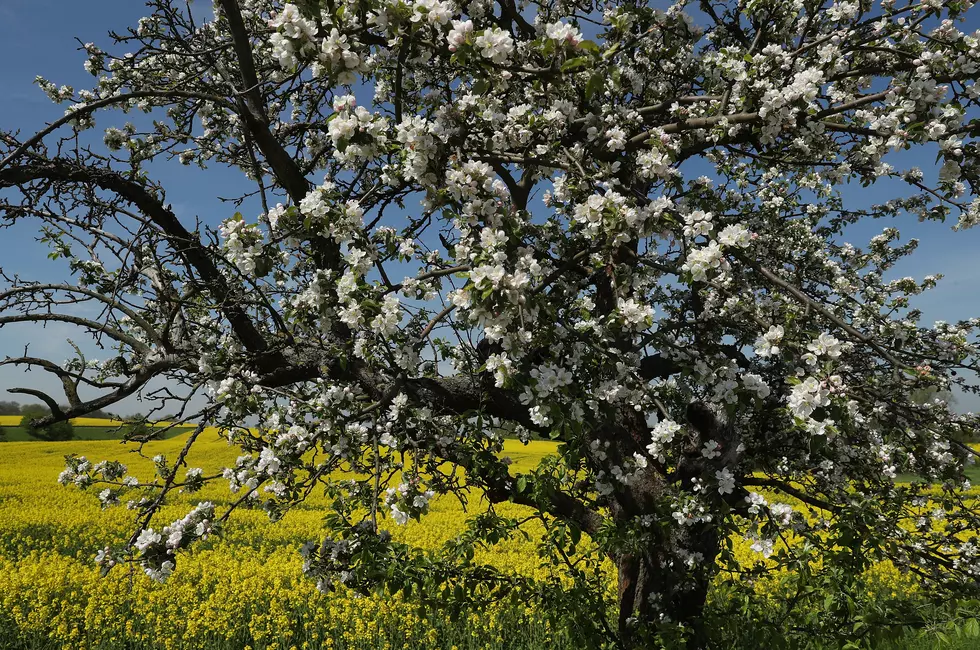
(617, 227)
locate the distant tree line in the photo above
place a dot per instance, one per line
(16, 408)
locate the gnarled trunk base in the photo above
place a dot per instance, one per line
(660, 587)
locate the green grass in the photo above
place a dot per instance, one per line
(972, 472)
(19, 434)
(925, 641)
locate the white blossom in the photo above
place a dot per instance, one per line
(495, 44)
(768, 344)
(726, 481)
(807, 396)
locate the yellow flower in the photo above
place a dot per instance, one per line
(248, 585)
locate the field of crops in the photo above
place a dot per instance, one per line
(14, 420)
(244, 590)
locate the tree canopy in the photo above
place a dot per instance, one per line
(615, 226)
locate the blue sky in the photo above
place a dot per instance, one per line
(53, 52)
(37, 37)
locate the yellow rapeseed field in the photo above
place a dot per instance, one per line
(247, 585)
(244, 587)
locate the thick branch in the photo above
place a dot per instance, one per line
(180, 239)
(132, 385)
(256, 119)
(56, 413)
(70, 387)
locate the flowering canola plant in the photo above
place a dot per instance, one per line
(246, 586)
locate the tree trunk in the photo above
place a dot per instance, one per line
(659, 586)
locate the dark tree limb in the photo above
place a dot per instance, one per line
(70, 386)
(256, 117)
(56, 413)
(183, 243)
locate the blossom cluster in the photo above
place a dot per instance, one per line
(157, 549)
(408, 501)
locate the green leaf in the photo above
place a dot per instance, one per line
(588, 46)
(481, 86)
(521, 484)
(594, 85)
(575, 64)
(972, 628)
